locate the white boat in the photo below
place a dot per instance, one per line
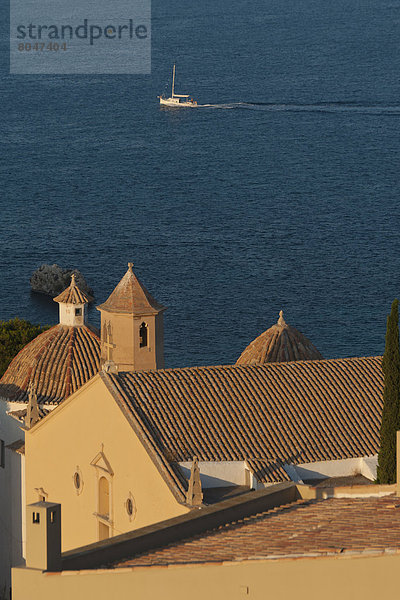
(177, 100)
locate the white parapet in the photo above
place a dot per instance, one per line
(363, 465)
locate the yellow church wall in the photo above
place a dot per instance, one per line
(67, 441)
(366, 578)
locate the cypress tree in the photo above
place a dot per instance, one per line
(391, 399)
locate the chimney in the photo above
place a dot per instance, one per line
(43, 536)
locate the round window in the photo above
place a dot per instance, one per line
(77, 480)
(130, 506)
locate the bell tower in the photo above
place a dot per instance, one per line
(132, 331)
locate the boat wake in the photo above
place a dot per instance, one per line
(322, 107)
(226, 106)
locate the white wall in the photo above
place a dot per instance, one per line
(68, 317)
(365, 465)
(10, 495)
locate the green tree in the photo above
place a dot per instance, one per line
(14, 335)
(391, 399)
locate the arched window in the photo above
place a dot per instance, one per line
(104, 507)
(104, 497)
(104, 494)
(143, 335)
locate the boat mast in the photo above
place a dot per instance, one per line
(173, 81)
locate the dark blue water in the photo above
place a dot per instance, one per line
(287, 197)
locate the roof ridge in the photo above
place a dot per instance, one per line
(254, 366)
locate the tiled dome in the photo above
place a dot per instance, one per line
(57, 362)
(280, 343)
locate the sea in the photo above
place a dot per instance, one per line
(282, 193)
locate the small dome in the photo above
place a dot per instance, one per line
(280, 343)
(57, 363)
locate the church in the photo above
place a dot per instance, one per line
(50, 368)
(96, 423)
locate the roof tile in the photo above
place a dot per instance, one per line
(303, 528)
(269, 415)
(57, 362)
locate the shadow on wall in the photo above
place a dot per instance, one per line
(12, 514)
(363, 465)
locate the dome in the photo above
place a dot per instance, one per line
(57, 363)
(280, 343)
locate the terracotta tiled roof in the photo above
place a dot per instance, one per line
(131, 297)
(73, 295)
(322, 527)
(280, 343)
(267, 414)
(167, 467)
(58, 362)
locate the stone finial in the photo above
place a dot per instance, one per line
(73, 279)
(32, 410)
(281, 320)
(109, 367)
(194, 495)
(130, 266)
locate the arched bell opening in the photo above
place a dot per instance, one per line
(143, 335)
